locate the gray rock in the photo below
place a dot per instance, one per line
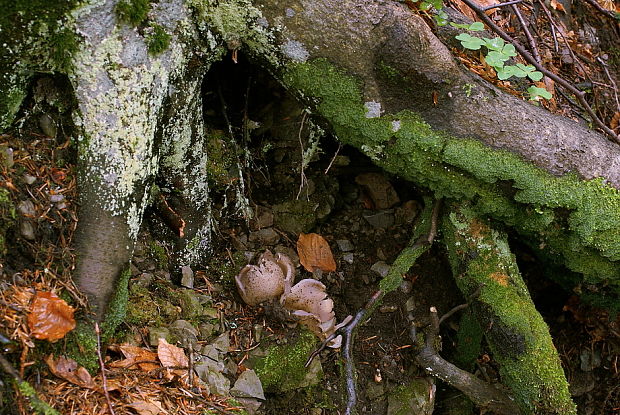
(218, 383)
(56, 198)
(380, 268)
(263, 218)
(187, 276)
(144, 280)
(210, 359)
(26, 208)
(248, 385)
(251, 405)
(348, 258)
(407, 212)
(222, 343)
(156, 333)
(47, 125)
(417, 397)
(374, 390)
(206, 330)
(26, 230)
(344, 245)
(266, 236)
(406, 286)
(28, 179)
(380, 220)
(6, 156)
(185, 333)
(190, 304)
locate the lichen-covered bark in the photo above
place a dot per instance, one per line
(124, 94)
(516, 333)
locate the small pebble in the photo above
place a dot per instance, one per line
(348, 258)
(26, 229)
(406, 286)
(187, 276)
(26, 208)
(380, 268)
(344, 245)
(28, 179)
(57, 198)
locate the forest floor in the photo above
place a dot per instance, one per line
(365, 217)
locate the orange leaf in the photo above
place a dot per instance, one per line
(68, 369)
(171, 355)
(557, 6)
(314, 252)
(147, 407)
(50, 317)
(135, 357)
(615, 121)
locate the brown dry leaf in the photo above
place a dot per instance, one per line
(68, 369)
(147, 407)
(171, 355)
(50, 317)
(615, 121)
(314, 252)
(557, 6)
(147, 359)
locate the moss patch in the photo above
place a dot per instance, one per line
(515, 331)
(576, 219)
(133, 12)
(158, 41)
(283, 366)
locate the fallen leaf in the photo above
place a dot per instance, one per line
(557, 6)
(69, 370)
(50, 317)
(615, 121)
(314, 252)
(171, 355)
(147, 407)
(135, 357)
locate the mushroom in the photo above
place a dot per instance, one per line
(308, 302)
(266, 281)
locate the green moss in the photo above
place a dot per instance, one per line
(518, 336)
(133, 12)
(285, 363)
(468, 342)
(158, 41)
(36, 404)
(81, 345)
(577, 219)
(159, 254)
(37, 36)
(7, 218)
(117, 309)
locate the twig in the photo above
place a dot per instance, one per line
(480, 392)
(528, 35)
(611, 80)
(451, 312)
(496, 6)
(333, 158)
(551, 25)
(102, 366)
(561, 81)
(303, 179)
(603, 10)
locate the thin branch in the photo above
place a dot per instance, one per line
(451, 312)
(603, 10)
(528, 35)
(496, 6)
(611, 79)
(102, 366)
(551, 25)
(526, 55)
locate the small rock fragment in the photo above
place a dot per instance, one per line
(406, 286)
(187, 276)
(344, 245)
(380, 220)
(47, 125)
(156, 333)
(222, 343)
(266, 236)
(379, 189)
(348, 258)
(55, 198)
(263, 218)
(26, 229)
(26, 208)
(6, 156)
(28, 179)
(248, 385)
(380, 268)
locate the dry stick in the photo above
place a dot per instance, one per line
(551, 25)
(603, 10)
(103, 376)
(480, 392)
(579, 94)
(497, 6)
(528, 35)
(613, 83)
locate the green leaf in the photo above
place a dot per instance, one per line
(497, 43)
(441, 18)
(535, 76)
(516, 71)
(476, 27)
(470, 42)
(537, 93)
(496, 59)
(425, 6)
(509, 50)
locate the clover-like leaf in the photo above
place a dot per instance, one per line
(535, 76)
(496, 44)
(476, 27)
(470, 42)
(509, 50)
(537, 93)
(496, 59)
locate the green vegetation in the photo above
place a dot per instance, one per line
(158, 41)
(516, 333)
(563, 217)
(7, 218)
(133, 12)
